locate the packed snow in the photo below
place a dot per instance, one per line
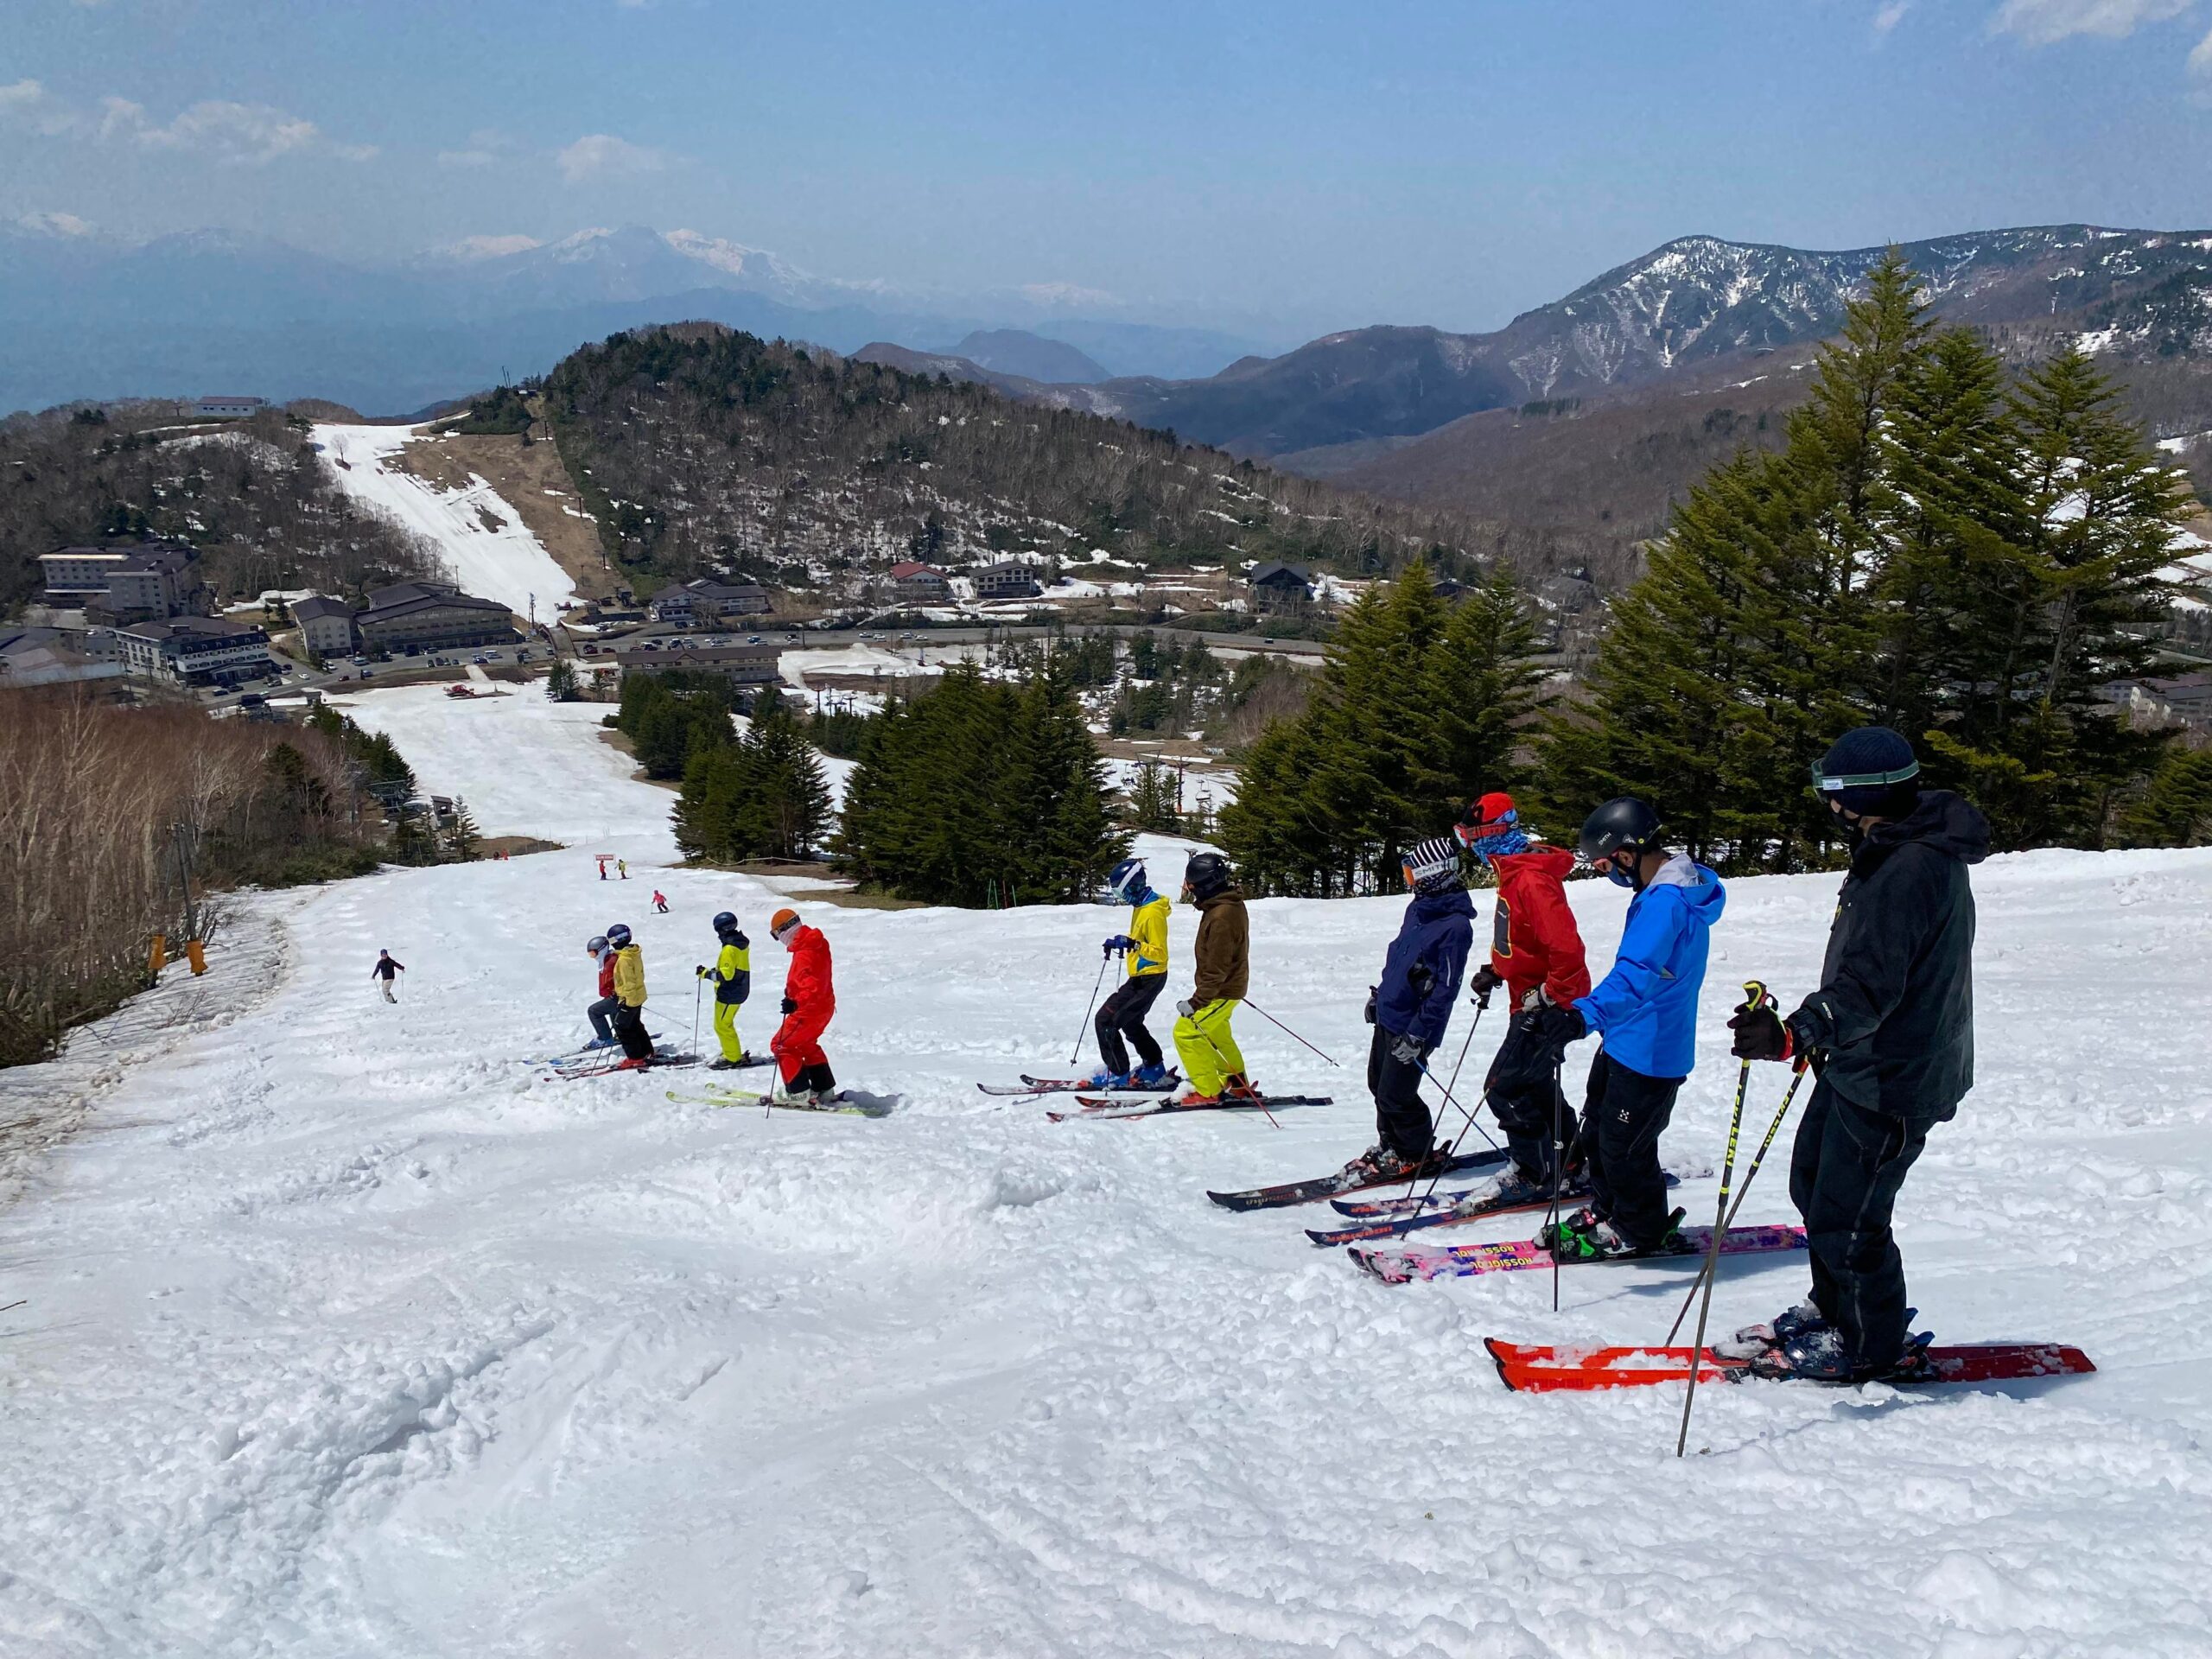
(348, 1333)
(509, 564)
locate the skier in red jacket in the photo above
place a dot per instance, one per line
(809, 999)
(1535, 952)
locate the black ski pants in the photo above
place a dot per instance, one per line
(629, 1032)
(1622, 1116)
(1529, 1105)
(1401, 1119)
(1122, 1015)
(601, 1014)
(1845, 1171)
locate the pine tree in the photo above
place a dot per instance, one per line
(1480, 686)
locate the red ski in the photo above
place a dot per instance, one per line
(1537, 1370)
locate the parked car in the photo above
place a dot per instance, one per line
(480, 659)
(368, 673)
(751, 638)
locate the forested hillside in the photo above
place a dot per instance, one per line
(700, 447)
(263, 506)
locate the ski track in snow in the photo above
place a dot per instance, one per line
(509, 564)
(349, 1333)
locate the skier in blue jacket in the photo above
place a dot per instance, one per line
(1646, 1010)
(1411, 1008)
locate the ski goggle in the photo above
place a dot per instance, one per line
(1832, 783)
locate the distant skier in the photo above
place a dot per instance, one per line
(602, 869)
(1411, 1009)
(1144, 948)
(623, 866)
(630, 998)
(1646, 1009)
(732, 977)
(1222, 970)
(1536, 953)
(601, 1012)
(383, 972)
(660, 903)
(1890, 1033)
(809, 1000)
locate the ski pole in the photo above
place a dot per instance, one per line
(1453, 1152)
(698, 989)
(1074, 1053)
(1281, 1028)
(1558, 1171)
(1755, 996)
(1743, 1191)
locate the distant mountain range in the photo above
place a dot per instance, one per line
(87, 316)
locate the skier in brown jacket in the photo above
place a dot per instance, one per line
(1223, 960)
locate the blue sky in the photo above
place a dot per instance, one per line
(1304, 166)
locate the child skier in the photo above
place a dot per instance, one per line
(660, 901)
(384, 971)
(1646, 1009)
(1222, 965)
(809, 999)
(1122, 1013)
(630, 999)
(1536, 953)
(601, 1012)
(732, 975)
(1411, 1009)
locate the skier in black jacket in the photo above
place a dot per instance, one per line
(1890, 1034)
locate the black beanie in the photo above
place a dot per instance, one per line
(1870, 771)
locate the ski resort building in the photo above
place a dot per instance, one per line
(431, 616)
(1283, 589)
(230, 409)
(327, 627)
(743, 666)
(706, 600)
(195, 650)
(920, 584)
(51, 657)
(1007, 579)
(145, 582)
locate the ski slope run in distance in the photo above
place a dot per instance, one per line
(509, 564)
(347, 1332)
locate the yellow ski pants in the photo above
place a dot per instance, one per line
(1208, 1047)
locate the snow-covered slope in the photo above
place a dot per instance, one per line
(508, 564)
(347, 1333)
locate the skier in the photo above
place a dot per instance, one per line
(1145, 949)
(623, 866)
(660, 903)
(1222, 969)
(630, 999)
(809, 999)
(1411, 1008)
(384, 971)
(732, 975)
(1890, 1034)
(602, 867)
(601, 1012)
(1646, 1009)
(1536, 953)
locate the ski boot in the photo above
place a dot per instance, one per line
(1753, 1340)
(601, 1042)
(1817, 1355)
(1379, 1165)
(1153, 1077)
(1512, 1185)
(1106, 1077)
(1588, 1236)
(724, 1066)
(1237, 1086)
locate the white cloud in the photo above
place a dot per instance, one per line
(2041, 22)
(2200, 60)
(213, 130)
(1890, 15)
(486, 147)
(28, 104)
(55, 225)
(602, 155)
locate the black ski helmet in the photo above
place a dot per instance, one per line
(726, 921)
(618, 936)
(1206, 875)
(596, 944)
(1622, 824)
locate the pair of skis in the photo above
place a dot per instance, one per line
(1101, 1108)
(1030, 1088)
(846, 1103)
(1394, 1218)
(606, 1062)
(1533, 1369)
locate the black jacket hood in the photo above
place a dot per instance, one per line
(1942, 822)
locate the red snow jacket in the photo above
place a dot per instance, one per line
(1534, 940)
(807, 982)
(607, 973)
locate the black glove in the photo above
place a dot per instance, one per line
(790, 1006)
(700, 972)
(1552, 1028)
(1486, 981)
(1408, 1050)
(1760, 1034)
(1369, 1015)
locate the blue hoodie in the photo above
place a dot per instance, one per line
(1646, 1009)
(1420, 976)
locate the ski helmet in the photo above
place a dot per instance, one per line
(1206, 875)
(781, 923)
(1490, 827)
(1433, 867)
(1623, 824)
(596, 944)
(726, 921)
(618, 937)
(1871, 771)
(1127, 881)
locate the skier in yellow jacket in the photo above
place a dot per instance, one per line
(1222, 959)
(1122, 1015)
(732, 976)
(629, 998)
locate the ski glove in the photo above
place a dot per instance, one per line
(1761, 1034)
(789, 1005)
(1484, 981)
(1554, 1027)
(700, 972)
(1185, 1010)
(1408, 1050)
(1120, 942)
